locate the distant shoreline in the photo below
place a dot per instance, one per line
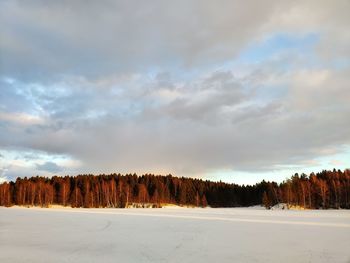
(324, 190)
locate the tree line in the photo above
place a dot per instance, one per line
(327, 189)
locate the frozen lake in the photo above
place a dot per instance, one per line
(173, 235)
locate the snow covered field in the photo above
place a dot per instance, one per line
(173, 235)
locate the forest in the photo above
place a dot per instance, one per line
(326, 189)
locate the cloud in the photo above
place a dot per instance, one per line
(143, 36)
(123, 37)
(188, 88)
(211, 124)
(205, 100)
(336, 163)
(49, 167)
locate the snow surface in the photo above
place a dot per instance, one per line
(173, 235)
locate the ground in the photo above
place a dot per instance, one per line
(173, 235)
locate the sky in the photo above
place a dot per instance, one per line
(238, 91)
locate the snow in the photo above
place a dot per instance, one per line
(286, 206)
(173, 235)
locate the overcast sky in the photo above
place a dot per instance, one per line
(237, 91)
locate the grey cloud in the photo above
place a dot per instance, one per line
(207, 99)
(208, 108)
(49, 167)
(11, 98)
(46, 40)
(11, 172)
(120, 97)
(185, 140)
(254, 114)
(163, 80)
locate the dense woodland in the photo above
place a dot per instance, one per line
(327, 189)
